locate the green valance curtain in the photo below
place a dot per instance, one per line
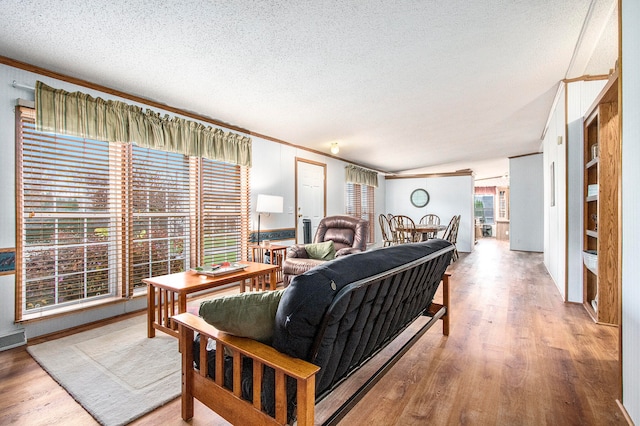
(81, 115)
(355, 174)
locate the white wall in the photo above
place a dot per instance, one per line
(526, 206)
(554, 216)
(580, 97)
(449, 196)
(563, 222)
(631, 208)
(273, 172)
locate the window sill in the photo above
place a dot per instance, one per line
(76, 308)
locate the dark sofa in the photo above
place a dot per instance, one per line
(329, 322)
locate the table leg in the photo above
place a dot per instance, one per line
(242, 285)
(151, 318)
(182, 303)
(273, 280)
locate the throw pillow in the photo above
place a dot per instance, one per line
(249, 315)
(321, 251)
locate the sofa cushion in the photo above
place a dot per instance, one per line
(308, 296)
(321, 251)
(249, 314)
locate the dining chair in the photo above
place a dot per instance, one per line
(451, 235)
(404, 230)
(430, 219)
(385, 227)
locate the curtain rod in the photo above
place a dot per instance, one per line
(22, 86)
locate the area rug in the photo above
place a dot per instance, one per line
(115, 372)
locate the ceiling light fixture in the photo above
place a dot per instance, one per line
(335, 148)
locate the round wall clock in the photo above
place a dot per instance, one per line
(419, 197)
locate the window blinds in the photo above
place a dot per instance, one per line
(67, 218)
(360, 203)
(95, 218)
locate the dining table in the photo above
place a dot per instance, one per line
(427, 230)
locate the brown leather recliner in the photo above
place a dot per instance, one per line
(349, 235)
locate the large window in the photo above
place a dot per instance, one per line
(360, 203)
(66, 218)
(160, 199)
(95, 218)
(484, 209)
(223, 211)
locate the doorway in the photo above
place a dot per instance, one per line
(310, 195)
(491, 212)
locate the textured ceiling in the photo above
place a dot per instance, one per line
(400, 85)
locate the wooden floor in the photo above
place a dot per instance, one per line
(516, 355)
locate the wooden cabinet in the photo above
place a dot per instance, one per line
(502, 230)
(602, 163)
(502, 215)
(502, 193)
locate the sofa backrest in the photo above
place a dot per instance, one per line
(339, 314)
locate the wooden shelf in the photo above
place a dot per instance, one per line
(602, 127)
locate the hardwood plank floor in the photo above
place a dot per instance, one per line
(516, 355)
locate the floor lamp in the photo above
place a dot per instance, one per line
(268, 204)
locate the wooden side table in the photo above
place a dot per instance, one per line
(167, 294)
(274, 253)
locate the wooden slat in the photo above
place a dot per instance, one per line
(257, 384)
(159, 307)
(204, 365)
(219, 362)
(237, 374)
(281, 398)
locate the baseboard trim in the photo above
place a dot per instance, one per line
(624, 413)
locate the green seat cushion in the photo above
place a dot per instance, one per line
(321, 251)
(249, 314)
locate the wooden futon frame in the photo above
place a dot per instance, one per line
(230, 404)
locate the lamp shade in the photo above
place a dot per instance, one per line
(269, 204)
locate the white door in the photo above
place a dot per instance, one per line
(310, 195)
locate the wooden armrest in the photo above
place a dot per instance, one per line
(253, 349)
(229, 403)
